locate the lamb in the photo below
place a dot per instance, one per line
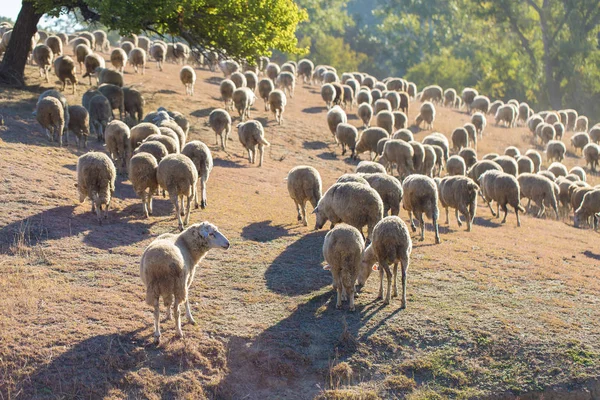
(347, 135)
(479, 121)
(220, 122)
(385, 119)
(106, 75)
(157, 149)
(369, 167)
(115, 96)
(338, 205)
(227, 88)
(525, 165)
(277, 103)
(426, 114)
(142, 131)
(137, 58)
(287, 82)
(456, 165)
(335, 116)
(51, 116)
(134, 103)
(342, 250)
(579, 141)
(449, 97)
(579, 172)
(265, 87)
(536, 158)
(403, 134)
(365, 113)
(368, 141)
(79, 124)
(55, 45)
(591, 153)
(239, 79)
(168, 267)
(158, 52)
(388, 188)
(118, 58)
(81, 52)
(252, 134)
(460, 193)
(64, 68)
(590, 206)
(200, 155)
(469, 156)
(391, 245)
(421, 196)
(178, 175)
(96, 179)
(91, 62)
(188, 78)
(468, 95)
(243, 98)
(433, 94)
(480, 103)
(460, 139)
(558, 169)
(504, 190)
(581, 124)
(555, 150)
(43, 55)
(539, 189)
(507, 115)
(304, 184)
(118, 137)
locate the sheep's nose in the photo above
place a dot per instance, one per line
(226, 246)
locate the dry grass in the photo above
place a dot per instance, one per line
(501, 310)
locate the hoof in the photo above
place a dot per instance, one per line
(386, 302)
(338, 306)
(192, 321)
(305, 223)
(403, 306)
(352, 309)
(203, 205)
(414, 228)
(157, 339)
(299, 218)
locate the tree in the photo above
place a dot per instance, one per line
(241, 28)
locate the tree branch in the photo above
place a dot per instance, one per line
(524, 41)
(561, 24)
(535, 7)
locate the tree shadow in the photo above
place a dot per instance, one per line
(263, 231)
(314, 110)
(205, 112)
(315, 145)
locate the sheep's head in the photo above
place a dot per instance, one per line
(209, 234)
(367, 265)
(321, 218)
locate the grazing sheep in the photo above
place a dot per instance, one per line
(403, 134)
(64, 68)
(347, 135)
(555, 150)
(140, 132)
(479, 121)
(243, 98)
(252, 134)
(579, 172)
(55, 44)
(539, 189)
(81, 52)
(188, 78)
(335, 116)
(200, 155)
(181, 52)
(525, 165)
(460, 193)
(96, 180)
(581, 124)
(115, 96)
(79, 125)
(480, 167)
(480, 103)
(426, 114)
(43, 55)
(118, 58)
(558, 169)
(590, 207)
(391, 245)
(106, 75)
(504, 190)
(51, 116)
(127, 46)
(433, 94)
(579, 141)
(591, 153)
(469, 156)
(348, 96)
(421, 196)
(342, 250)
(449, 97)
(385, 119)
(456, 166)
(118, 144)
(134, 103)
(92, 62)
(352, 178)
(508, 164)
(369, 167)
(512, 151)
(338, 205)
(507, 115)
(178, 175)
(304, 184)
(168, 267)
(388, 188)
(533, 122)
(227, 88)
(277, 103)
(536, 158)
(460, 139)
(368, 141)
(158, 52)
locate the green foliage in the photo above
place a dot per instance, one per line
(334, 51)
(444, 70)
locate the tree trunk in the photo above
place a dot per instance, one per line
(552, 84)
(12, 69)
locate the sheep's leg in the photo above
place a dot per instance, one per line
(261, 150)
(175, 200)
(203, 202)
(447, 217)
(145, 203)
(388, 275)
(505, 209)
(181, 209)
(395, 284)
(436, 229)
(304, 220)
(498, 211)
(412, 222)
(178, 319)
(157, 321)
(350, 294)
(188, 312)
(405, 261)
(189, 207)
(458, 217)
(250, 156)
(338, 303)
(420, 219)
(517, 214)
(196, 205)
(380, 293)
(298, 211)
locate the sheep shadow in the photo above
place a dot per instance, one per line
(327, 155)
(214, 80)
(591, 255)
(167, 91)
(220, 162)
(314, 110)
(205, 112)
(263, 231)
(488, 223)
(315, 145)
(298, 270)
(70, 167)
(263, 121)
(294, 355)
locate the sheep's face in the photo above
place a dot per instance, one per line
(321, 218)
(210, 234)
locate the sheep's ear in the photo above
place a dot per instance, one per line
(375, 267)
(327, 267)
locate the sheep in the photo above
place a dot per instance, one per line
(91, 62)
(403, 134)
(81, 52)
(168, 266)
(187, 76)
(338, 205)
(479, 121)
(525, 165)
(426, 114)
(137, 58)
(55, 45)
(579, 172)
(118, 59)
(181, 52)
(96, 176)
(243, 98)
(548, 174)
(106, 75)
(546, 132)
(43, 55)
(171, 143)
(558, 169)
(388, 188)
(304, 184)
(512, 151)
(328, 94)
(172, 120)
(115, 96)
(64, 68)
(220, 122)
(508, 164)
(347, 135)
(595, 134)
(490, 156)
(357, 177)
(555, 150)
(342, 250)
(480, 167)
(577, 194)
(178, 175)
(536, 158)
(51, 116)
(118, 144)
(347, 96)
(468, 95)
(400, 120)
(158, 52)
(79, 124)
(140, 132)
(472, 132)
(101, 40)
(449, 97)
(239, 79)
(581, 124)
(480, 103)
(418, 155)
(393, 98)
(157, 149)
(506, 114)
(421, 196)
(277, 103)
(494, 107)
(504, 190)
(133, 103)
(460, 139)
(469, 156)
(272, 71)
(91, 39)
(533, 122)
(368, 140)
(228, 67)
(305, 70)
(433, 94)
(200, 155)
(369, 167)
(440, 140)
(335, 116)
(365, 113)
(539, 189)
(456, 166)
(590, 206)
(265, 87)
(364, 96)
(579, 141)
(552, 118)
(252, 134)
(412, 90)
(227, 88)
(591, 153)
(559, 130)
(429, 160)
(460, 193)
(287, 82)
(381, 105)
(251, 80)
(385, 119)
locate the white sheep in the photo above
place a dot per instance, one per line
(51, 116)
(265, 87)
(304, 184)
(43, 55)
(188, 78)
(504, 189)
(220, 122)
(365, 113)
(96, 176)
(178, 175)
(200, 155)
(227, 88)
(243, 98)
(539, 189)
(252, 134)
(421, 196)
(460, 193)
(142, 174)
(335, 116)
(426, 114)
(117, 137)
(277, 103)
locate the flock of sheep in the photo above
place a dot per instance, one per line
(153, 151)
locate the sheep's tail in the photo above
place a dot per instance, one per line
(152, 293)
(263, 141)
